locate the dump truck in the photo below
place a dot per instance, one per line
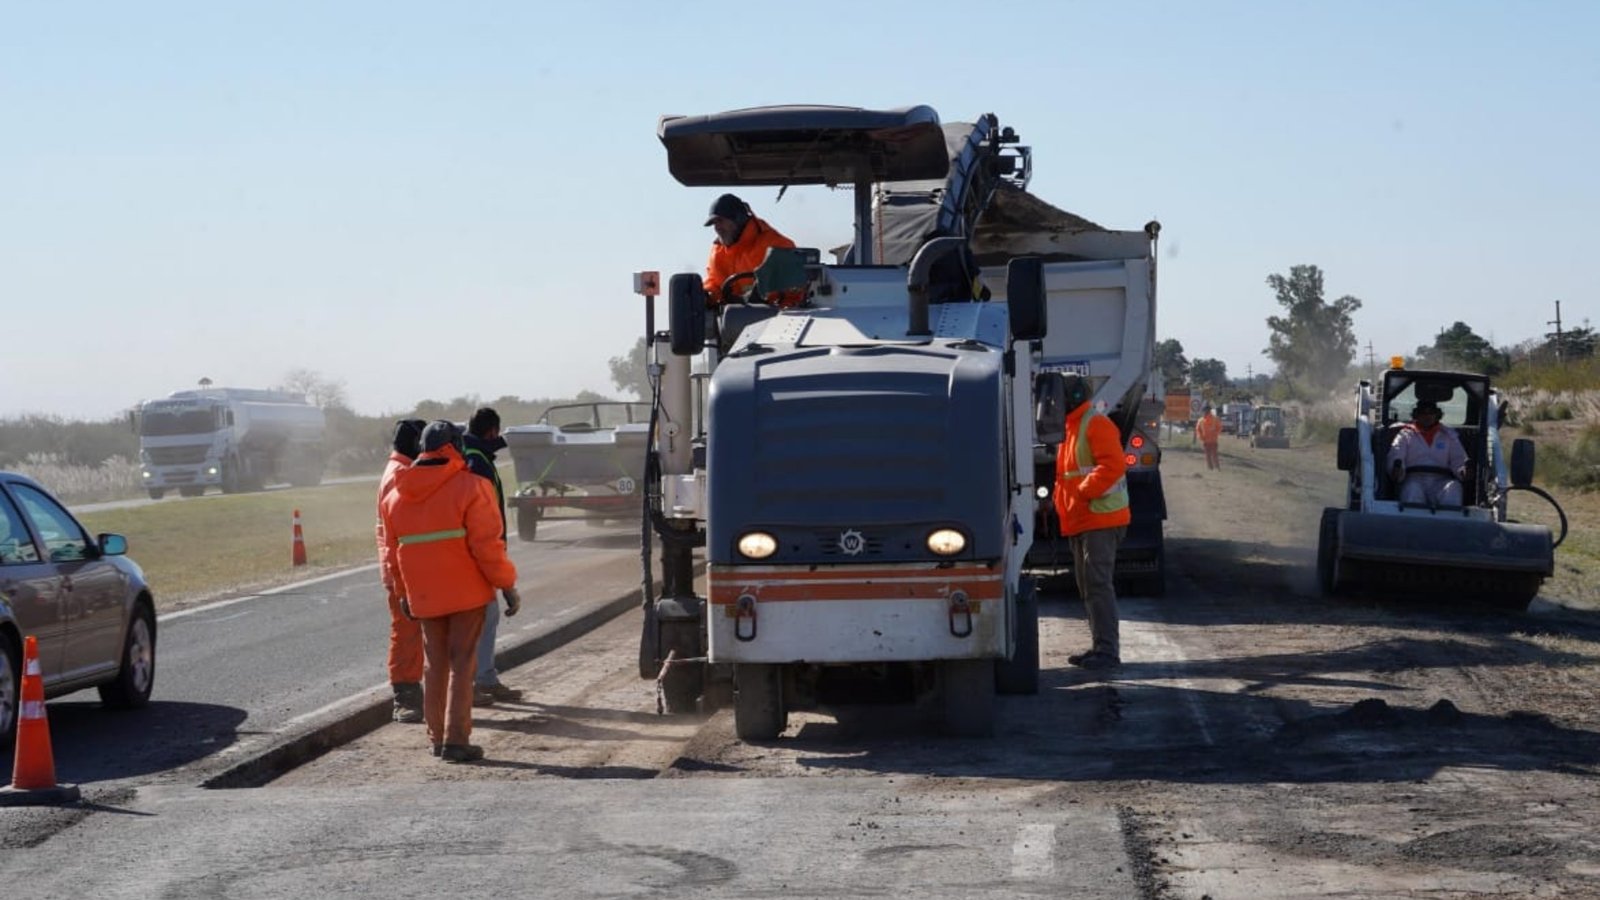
(1100, 290)
(234, 439)
(579, 461)
(1475, 551)
(857, 468)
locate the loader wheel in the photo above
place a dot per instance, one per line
(527, 523)
(758, 711)
(1328, 549)
(1020, 673)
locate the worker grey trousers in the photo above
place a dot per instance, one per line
(1094, 563)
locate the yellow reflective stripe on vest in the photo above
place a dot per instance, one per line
(1112, 500)
(431, 536)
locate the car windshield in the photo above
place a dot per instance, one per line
(597, 415)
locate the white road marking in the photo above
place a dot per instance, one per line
(1033, 852)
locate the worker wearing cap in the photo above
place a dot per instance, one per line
(446, 558)
(1208, 430)
(741, 244)
(1091, 500)
(1427, 460)
(405, 635)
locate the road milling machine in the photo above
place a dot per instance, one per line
(858, 465)
(1474, 551)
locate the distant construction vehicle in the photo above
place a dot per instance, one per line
(1271, 428)
(580, 461)
(234, 439)
(1378, 542)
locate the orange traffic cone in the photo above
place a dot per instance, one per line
(299, 556)
(33, 779)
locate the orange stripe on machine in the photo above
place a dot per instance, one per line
(769, 585)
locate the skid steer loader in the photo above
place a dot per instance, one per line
(1472, 551)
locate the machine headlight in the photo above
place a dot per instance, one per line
(757, 545)
(947, 542)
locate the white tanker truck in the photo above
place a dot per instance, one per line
(235, 439)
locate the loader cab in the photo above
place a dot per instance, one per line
(1464, 406)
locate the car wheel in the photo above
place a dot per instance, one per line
(10, 688)
(137, 675)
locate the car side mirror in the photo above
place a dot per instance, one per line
(686, 313)
(1025, 298)
(112, 544)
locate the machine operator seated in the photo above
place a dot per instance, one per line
(1427, 460)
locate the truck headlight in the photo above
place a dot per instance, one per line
(211, 470)
(144, 474)
(757, 544)
(947, 542)
(1042, 492)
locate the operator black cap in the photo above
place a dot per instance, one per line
(728, 207)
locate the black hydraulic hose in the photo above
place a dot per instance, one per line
(1549, 499)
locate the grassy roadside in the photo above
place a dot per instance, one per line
(193, 550)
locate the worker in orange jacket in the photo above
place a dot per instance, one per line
(741, 244)
(446, 558)
(1091, 500)
(1208, 430)
(405, 634)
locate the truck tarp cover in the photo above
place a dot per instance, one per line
(908, 212)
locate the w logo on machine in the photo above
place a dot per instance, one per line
(851, 542)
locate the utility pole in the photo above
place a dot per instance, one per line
(1372, 362)
(1557, 323)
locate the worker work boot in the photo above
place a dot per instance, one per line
(461, 753)
(408, 702)
(489, 695)
(1098, 659)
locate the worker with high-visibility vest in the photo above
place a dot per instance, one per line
(1091, 500)
(446, 558)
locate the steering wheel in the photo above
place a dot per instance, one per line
(728, 295)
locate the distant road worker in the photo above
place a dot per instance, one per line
(446, 559)
(405, 634)
(1208, 430)
(741, 244)
(1091, 500)
(482, 442)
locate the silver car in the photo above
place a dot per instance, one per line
(85, 601)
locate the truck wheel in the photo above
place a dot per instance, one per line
(156, 493)
(1020, 673)
(967, 692)
(758, 711)
(527, 523)
(230, 476)
(137, 674)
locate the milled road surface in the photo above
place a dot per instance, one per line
(1260, 741)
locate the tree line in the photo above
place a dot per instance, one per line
(1313, 343)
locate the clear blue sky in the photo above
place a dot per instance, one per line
(426, 200)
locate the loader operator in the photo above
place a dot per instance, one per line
(741, 244)
(1427, 459)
